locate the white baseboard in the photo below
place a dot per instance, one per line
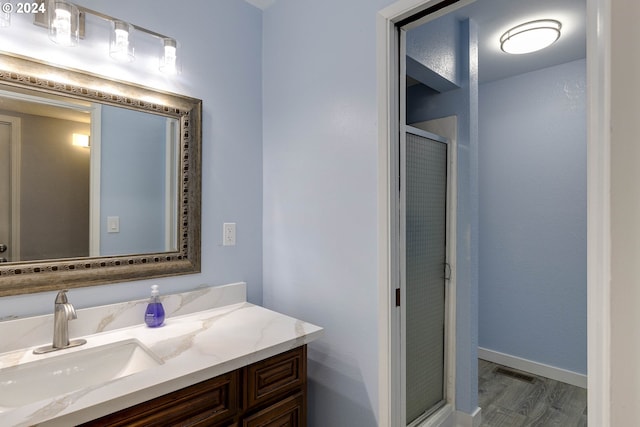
(469, 420)
(532, 367)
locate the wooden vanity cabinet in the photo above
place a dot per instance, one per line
(268, 393)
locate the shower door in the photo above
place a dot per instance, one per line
(423, 225)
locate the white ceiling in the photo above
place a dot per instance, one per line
(494, 17)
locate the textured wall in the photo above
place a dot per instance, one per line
(436, 46)
(533, 290)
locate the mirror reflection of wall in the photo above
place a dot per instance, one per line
(54, 220)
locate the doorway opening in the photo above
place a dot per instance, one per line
(391, 132)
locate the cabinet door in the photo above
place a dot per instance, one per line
(289, 412)
(275, 377)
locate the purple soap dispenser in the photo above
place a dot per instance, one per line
(154, 316)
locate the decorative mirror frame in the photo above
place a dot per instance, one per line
(38, 276)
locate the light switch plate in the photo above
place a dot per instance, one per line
(113, 224)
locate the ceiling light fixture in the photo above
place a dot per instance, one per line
(530, 36)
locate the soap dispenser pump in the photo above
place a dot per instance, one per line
(154, 316)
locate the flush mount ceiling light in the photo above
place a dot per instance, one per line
(530, 36)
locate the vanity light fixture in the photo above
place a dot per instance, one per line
(530, 36)
(64, 23)
(121, 45)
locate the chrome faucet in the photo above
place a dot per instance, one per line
(63, 312)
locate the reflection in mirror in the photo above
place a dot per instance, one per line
(83, 179)
(99, 179)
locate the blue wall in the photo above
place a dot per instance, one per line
(433, 53)
(221, 44)
(320, 194)
(533, 261)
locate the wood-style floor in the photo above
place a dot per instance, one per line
(513, 401)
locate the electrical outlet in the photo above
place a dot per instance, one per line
(229, 234)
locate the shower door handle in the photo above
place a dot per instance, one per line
(447, 271)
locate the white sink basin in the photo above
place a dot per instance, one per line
(60, 374)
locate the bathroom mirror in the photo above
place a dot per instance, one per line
(99, 179)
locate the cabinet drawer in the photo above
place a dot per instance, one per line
(205, 403)
(290, 412)
(275, 377)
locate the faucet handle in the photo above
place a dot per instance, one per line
(61, 298)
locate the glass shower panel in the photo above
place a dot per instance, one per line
(426, 198)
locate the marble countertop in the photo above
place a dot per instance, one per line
(194, 346)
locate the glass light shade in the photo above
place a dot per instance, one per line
(64, 23)
(530, 37)
(121, 44)
(169, 57)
